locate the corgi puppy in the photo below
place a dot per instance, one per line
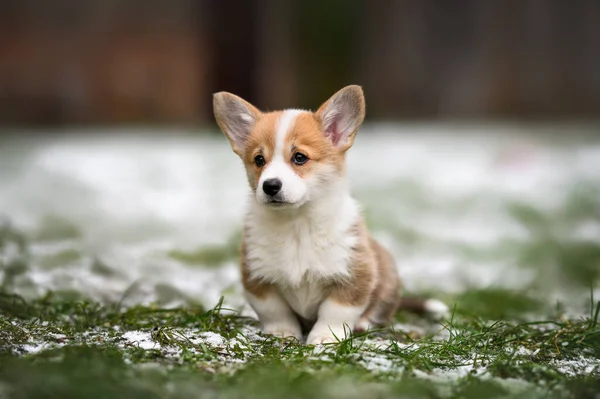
(309, 264)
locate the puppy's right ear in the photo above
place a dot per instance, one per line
(236, 118)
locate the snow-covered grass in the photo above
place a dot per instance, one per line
(217, 349)
(116, 248)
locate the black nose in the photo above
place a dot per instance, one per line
(272, 186)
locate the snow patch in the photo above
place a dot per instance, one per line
(582, 366)
(141, 339)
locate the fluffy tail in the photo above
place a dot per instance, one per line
(432, 308)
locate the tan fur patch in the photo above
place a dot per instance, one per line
(308, 138)
(261, 142)
(374, 279)
(363, 267)
(387, 293)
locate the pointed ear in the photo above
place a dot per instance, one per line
(236, 118)
(342, 115)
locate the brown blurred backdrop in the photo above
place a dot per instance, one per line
(158, 61)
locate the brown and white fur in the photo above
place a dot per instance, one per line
(308, 262)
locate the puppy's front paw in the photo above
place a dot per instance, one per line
(323, 333)
(363, 325)
(283, 330)
(321, 339)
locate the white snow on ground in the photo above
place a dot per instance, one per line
(577, 367)
(374, 354)
(140, 339)
(36, 348)
(133, 197)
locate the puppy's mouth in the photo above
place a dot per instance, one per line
(275, 203)
(278, 202)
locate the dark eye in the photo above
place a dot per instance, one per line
(299, 158)
(259, 160)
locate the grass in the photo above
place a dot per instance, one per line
(87, 355)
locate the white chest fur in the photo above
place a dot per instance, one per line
(301, 251)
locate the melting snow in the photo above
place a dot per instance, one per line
(133, 198)
(140, 339)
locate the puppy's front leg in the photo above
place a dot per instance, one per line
(347, 301)
(275, 315)
(335, 321)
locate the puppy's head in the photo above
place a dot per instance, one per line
(291, 156)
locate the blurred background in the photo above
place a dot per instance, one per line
(478, 166)
(158, 62)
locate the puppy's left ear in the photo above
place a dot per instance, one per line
(342, 115)
(236, 117)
